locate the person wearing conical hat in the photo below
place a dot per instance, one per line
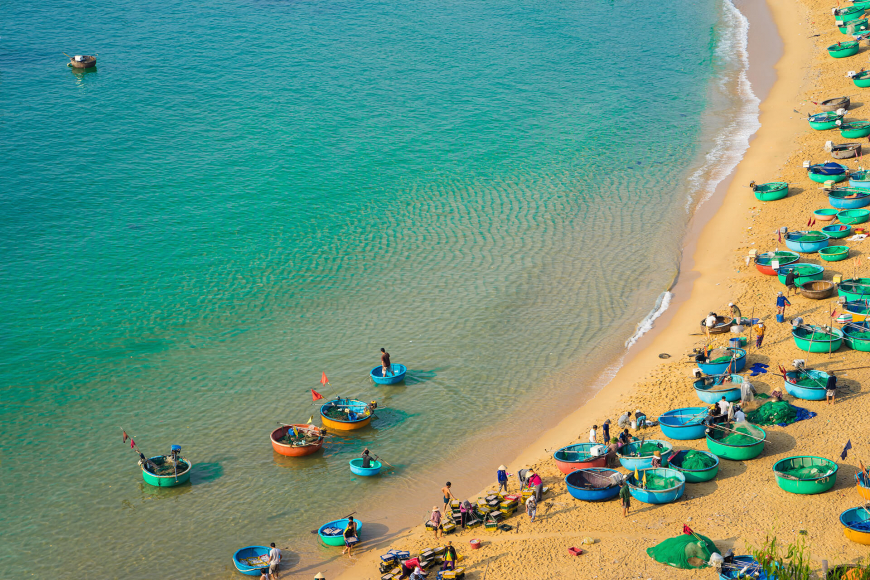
(657, 459)
(320, 576)
(502, 477)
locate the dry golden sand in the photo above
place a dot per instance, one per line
(743, 503)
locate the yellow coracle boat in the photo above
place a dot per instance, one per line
(346, 414)
(856, 524)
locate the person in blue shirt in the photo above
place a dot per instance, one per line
(781, 303)
(831, 388)
(501, 474)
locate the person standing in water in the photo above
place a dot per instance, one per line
(385, 363)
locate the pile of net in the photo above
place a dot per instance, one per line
(740, 435)
(655, 482)
(718, 356)
(338, 413)
(298, 438)
(695, 460)
(779, 413)
(646, 449)
(685, 551)
(805, 469)
(168, 468)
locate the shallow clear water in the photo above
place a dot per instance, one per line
(246, 194)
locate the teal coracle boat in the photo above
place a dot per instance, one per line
(825, 214)
(830, 171)
(764, 262)
(834, 253)
(773, 191)
(163, 473)
(806, 242)
(741, 443)
(862, 4)
(657, 485)
(855, 129)
(802, 272)
(850, 197)
(810, 338)
(808, 385)
(862, 79)
(848, 13)
(711, 389)
(857, 336)
(805, 475)
(837, 231)
(856, 26)
(639, 454)
(854, 289)
(859, 179)
(694, 474)
(853, 216)
(332, 534)
(825, 121)
(844, 49)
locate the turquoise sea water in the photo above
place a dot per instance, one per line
(248, 193)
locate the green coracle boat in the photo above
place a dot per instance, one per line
(862, 4)
(848, 13)
(853, 216)
(164, 474)
(855, 129)
(802, 273)
(834, 253)
(772, 191)
(811, 338)
(854, 289)
(805, 475)
(861, 79)
(825, 121)
(857, 336)
(740, 446)
(856, 26)
(700, 466)
(844, 49)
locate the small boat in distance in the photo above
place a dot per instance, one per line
(166, 470)
(82, 61)
(297, 440)
(346, 414)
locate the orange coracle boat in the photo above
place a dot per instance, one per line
(308, 439)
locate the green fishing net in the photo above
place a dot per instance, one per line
(745, 435)
(805, 468)
(657, 482)
(695, 460)
(685, 551)
(167, 468)
(719, 360)
(865, 334)
(773, 413)
(810, 382)
(646, 449)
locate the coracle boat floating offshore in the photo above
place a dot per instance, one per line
(593, 483)
(162, 471)
(850, 197)
(356, 467)
(252, 561)
(859, 309)
(297, 440)
(808, 385)
(663, 485)
(857, 336)
(816, 289)
(331, 533)
(346, 414)
(722, 360)
(82, 61)
(711, 389)
(854, 289)
(696, 466)
(825, 121)
(810, 338)
(805, 475)
(580, 456)
(830, 171)
(764, 262)
(834, 253)
(743, 442)
(806, 242)
(397, 376)
(772, 191)
(639, 454)
(684, 424)
(802, 272)
(856, 524)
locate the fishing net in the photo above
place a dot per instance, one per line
(811, 237)
(167, 468)
(298, 439)
(740, 435)
(805, 468)
(779, 413)
(685, 551)
(656, 482)
(643, 450)
(695, 460)
(861, 334)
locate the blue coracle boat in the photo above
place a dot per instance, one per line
(331, 534)
(644, 461)
(849, 198)
(744, 567)
(683, 424)
(657, 496)
(807, 385)
(735, 359)
(592, 484)
(397, 376)
(357, 468)
(251, 561)
(712, 389)
(806, 242)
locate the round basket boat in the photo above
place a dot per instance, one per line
(854, 289)
(825, 214)
(631, 460)
(854, 26)
(855, 129)
(743, 449)
(711, 389)
(593, 484)
(356, 467)
(684, 424)
(345, 414)
(578, 456)
(740, 563)
(802, 273)
(397, 376)
(848, 13)
(834, 253)
(824, 121)
(837, 231)
(806, 242)
(845, 150)
(176, 477)
(306, 440)
(810, 338)
(856, 524)
(856, 196)
(733, 361)
(806, 385)
(835, 103)
(694, 475)
(331, 534)
(663, 485)
(817, 289)
(772, 191)
(829, 171)
(83, 61)
(252, 560)
(764, 262)
(853, 216)
(805, 474)
(862, 79)
(862, 485)
(859, 309)
(857, 336)
(723, 325)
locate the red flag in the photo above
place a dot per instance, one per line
(814, 221)
(687, 530)
(323, 379)
(125, 437)
(834, 313)
(809, 222)
(315, 395)
(132, 443)
(780, 235)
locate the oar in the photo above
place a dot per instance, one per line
(377, 458)
(738, 432)
(341, 518)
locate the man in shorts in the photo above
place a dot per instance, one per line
(831, 388)
(274, 560)
(448, 495)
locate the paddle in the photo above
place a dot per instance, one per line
(341, 518)
(738, 432)
(378, 458)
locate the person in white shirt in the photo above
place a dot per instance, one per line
(739, 415)
(709, 323)
(593, 434)
(724, 407)
(274, 559)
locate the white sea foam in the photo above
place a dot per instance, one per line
(741, 111)
(645, 325)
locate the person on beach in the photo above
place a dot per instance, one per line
(350, 537)
(724, 407)
(640, 419)
(709, 323)
(781, 303)
(656, 460)
(736, 315)
(502, 477)
(593, 434)
(739, 415)
(624, 420)
(612, 448)
(747, 392)
(776, 394)
(385, 363)
(265, 574)
(532, 507)
(523, 475)
(605, 429)
(624, 437)
(449, 557)
(320, 576)
(759, 333)
(274, 560)
(625, 498)
(435, 522)
(831, 388)
(536, 483)
(790, 283)
(448, 495)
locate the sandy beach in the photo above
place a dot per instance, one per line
(743, 504)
